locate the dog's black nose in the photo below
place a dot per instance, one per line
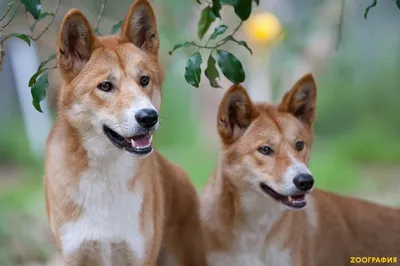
(147, 117)
(304, 182)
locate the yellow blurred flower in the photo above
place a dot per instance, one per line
(264, 28)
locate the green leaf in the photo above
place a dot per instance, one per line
(38, 91)
(97, 31)
(242, 8)
(193, 69)
(368, 8)
(212, 72)
(116, 26)
(207, 17)
(180, 45)
(242, 43)
(23, 37)
(218, 31)
(398, 4)
(43, 63)
(230, 66)
(216, 8)
(33, 7)
(32, 80)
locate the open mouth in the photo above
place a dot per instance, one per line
(295, 201)
(139, 144)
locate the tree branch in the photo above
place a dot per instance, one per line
(10, 4)
(11, 18)
(340, 26)
(220, 43)
(2, 51)
(48, 25)
(100, 14)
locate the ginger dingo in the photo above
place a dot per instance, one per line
(111, 199)
(258, 207)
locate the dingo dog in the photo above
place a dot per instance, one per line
(258, 207)
(111, 200)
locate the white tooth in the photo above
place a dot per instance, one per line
(151, 138)
(133, 143)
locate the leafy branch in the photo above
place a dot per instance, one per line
(230, 66)
(42, 16)
(39, 80)
(37, 84)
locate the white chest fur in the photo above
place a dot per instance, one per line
(250, 247)
(110, 211)
(251, 250)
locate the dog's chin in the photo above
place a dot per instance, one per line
(139, 144)
(292, 202)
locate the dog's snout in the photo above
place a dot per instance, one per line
(147, 117)
(304, 182)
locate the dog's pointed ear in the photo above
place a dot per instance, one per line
(235, 114)
(300, 101)
(75, 43)
(140, 27)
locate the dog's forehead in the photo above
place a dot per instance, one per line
(125, 56)
(276, 126)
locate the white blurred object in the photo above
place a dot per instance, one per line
(258, 82)
(24, 63)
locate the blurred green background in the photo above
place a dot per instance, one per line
(357, 147)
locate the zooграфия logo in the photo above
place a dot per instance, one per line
(377, 260)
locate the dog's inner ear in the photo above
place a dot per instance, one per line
(74, 42)
(140, 27)
(235, 114)
(300, 101)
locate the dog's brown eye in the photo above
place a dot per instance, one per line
(266, 150)
(105, 86)
(299, 145)
(144, 81)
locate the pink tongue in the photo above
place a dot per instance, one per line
(143, 141)
(300, 197)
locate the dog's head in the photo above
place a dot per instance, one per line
(112, 85)
(267, 147)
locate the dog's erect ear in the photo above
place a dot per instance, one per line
(140, 27)
(236, 112)
(301, 100)
(75, 43)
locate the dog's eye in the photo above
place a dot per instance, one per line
(105, 86)
(299, 145)
(144, 81)
(266, 150)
